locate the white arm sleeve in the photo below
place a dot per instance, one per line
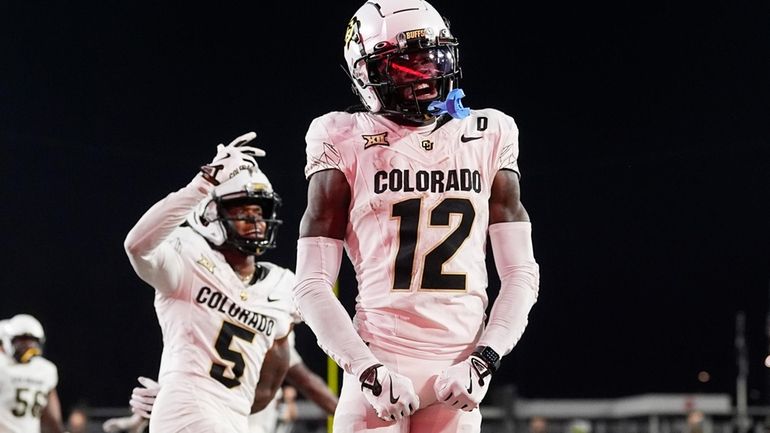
(156, 261)
(318, 263)
(519, 284)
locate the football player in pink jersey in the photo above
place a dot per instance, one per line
(225, 316)
(410, 186)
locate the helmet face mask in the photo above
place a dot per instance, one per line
(247, 198)
(401, 57)
(408, 81)
(265, 224)
(26, 347)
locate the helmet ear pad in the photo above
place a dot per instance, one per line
(211, 215)
(365, 91)
(204, 219)
(210, 211)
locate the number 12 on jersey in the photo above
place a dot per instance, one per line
(408, 212)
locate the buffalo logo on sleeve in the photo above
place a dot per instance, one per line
(206, 263)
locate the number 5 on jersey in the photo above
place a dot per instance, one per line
(408, 212)
(222, 346)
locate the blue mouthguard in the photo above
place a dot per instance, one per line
(452, 105)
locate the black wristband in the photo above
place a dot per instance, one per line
(489, 355)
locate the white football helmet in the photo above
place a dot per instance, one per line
(249, 186)
(25, 325)
(401, 57)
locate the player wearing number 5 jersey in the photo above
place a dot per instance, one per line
(411, 186)
(224, 316)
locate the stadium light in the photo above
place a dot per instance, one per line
(704, 377)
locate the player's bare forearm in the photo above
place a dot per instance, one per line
(505, 199)
(274, 369)
(313, 387)
(328, 200)
(51, 419)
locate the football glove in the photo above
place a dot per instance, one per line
(142, 398)
(463, 386)
(391, 394)
(231, 159)
(133, 423)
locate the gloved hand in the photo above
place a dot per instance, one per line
(142, 398)
(391, 394)
(463, 385)
(231, 159)
(117, 425)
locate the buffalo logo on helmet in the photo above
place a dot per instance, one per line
(255, 186)
(351, 32)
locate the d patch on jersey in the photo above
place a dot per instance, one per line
(376, 140)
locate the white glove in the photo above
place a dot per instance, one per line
(463, 386)
(117, 425)
(391, 394)
(231, 159)
(142, 398)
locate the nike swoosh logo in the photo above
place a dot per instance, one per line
(393, 400)
(465, 139)
(272, 300)
(470, 380)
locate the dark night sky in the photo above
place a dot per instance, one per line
(644, 149)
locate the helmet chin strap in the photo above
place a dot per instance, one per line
(452, 105)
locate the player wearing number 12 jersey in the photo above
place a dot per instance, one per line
(224, 316)
(418, 222)
(410, 186)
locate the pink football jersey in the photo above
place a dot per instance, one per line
(418, 222)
